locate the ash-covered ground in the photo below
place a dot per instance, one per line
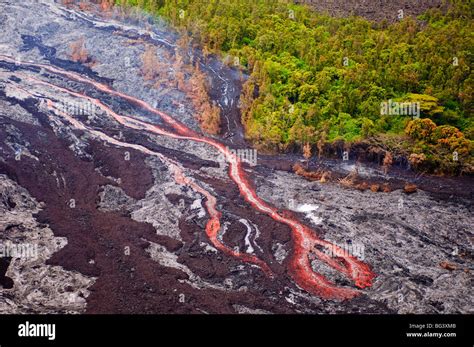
(117, 215)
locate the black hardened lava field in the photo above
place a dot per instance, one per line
(162, 158)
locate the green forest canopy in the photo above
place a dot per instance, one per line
(314, 77)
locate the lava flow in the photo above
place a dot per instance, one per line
(213, 225)
(305, 241)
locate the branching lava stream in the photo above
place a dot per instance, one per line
(305, 241)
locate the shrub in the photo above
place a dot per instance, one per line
(420, 129)
(78, 51)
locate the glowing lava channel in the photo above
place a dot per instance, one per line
(213, 224)
(305, 240)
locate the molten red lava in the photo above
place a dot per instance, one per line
(305, 240)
